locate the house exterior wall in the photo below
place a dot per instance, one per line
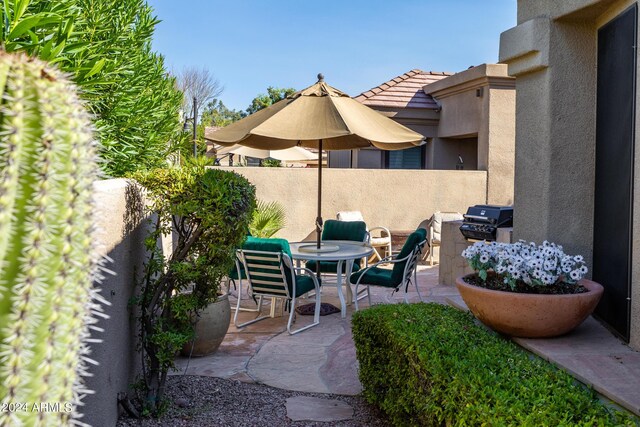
(552, 52)
(442, 153)
(461, 114)
(477, 107)
(397, 199)
(480, 102)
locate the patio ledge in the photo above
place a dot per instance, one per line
(593, 356)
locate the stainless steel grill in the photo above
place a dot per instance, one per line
(481, 222)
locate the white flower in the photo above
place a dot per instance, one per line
(545, 263)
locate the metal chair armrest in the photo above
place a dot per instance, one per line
(308, 273)
(385, 229)
(384, 261)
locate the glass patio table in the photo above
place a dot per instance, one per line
(339, 251)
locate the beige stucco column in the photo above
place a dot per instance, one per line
(480, 102)
(552, 52)
(555, 130)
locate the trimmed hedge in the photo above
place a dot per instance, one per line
(429, 364)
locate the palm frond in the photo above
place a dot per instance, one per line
(268, 219)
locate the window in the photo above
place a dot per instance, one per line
(411, 158)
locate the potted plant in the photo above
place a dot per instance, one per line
(207, 211)
(527, 290)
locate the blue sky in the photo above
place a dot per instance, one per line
(357, 44)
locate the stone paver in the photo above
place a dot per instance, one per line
(597, 358)
(305, 408)
(592, 355)
(323, 359)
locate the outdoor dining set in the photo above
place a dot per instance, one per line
(266, 268)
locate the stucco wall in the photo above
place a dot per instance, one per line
(552, 52)
(397, 199)
(460, 115)
(120, 234)
(480, 102)
(496, 144)
(442, 153)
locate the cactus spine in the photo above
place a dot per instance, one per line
(47, 261)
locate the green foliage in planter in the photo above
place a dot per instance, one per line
(268, 219)
(105, 45)
(429, 364)
(208, 211)
(47, 257)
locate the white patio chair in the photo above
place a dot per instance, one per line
(435, 229)
(380, 242)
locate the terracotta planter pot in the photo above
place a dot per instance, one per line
(211, 328)
(530, 315)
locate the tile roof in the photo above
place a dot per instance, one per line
(404, 91)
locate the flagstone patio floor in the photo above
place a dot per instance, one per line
(323, 358)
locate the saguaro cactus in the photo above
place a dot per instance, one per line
(47, 261)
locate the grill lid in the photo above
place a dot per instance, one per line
(499, 216)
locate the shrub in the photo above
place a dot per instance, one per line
(429, 364)
(209, 212)
(105, 46)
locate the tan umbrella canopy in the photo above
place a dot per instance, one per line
(290, 154)
(320, 117)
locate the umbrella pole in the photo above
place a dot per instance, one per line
(319, 217)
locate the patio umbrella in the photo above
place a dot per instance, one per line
(320, 117)
(290, 154)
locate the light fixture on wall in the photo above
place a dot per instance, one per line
(460, 164)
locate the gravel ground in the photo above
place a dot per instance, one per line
(219, 402)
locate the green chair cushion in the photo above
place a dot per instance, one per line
(331, 267)
(344, 230)
(391, 278)
(375, 276)
(412, 241)
(304, 284)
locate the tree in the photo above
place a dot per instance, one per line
(217, 114)
(272, 96)
(198, 83)
(105, 45)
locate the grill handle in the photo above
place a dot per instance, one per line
(479, 218)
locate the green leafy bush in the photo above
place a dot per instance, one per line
(208, 211)
(105, 45)
(429, 364)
